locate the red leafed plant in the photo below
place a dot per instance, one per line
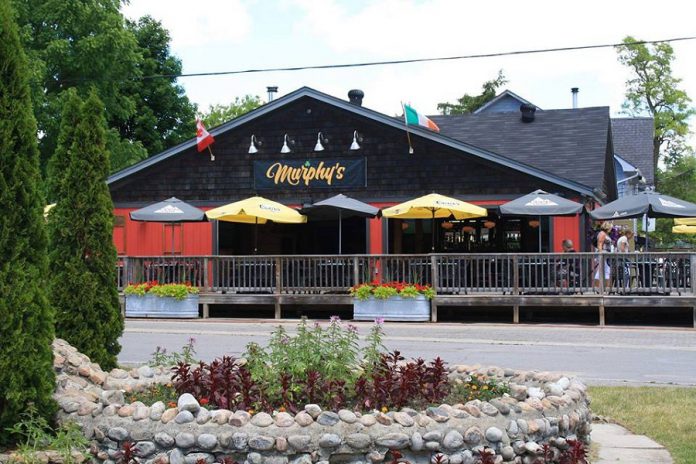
(575, 454)
(487, 456)
(384, 290)
(127, 454)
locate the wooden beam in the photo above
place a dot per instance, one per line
(516, 314)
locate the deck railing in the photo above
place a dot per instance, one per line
(450, 274)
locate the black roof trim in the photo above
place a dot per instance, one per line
(367, 113)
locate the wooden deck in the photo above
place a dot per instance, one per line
(549, 280)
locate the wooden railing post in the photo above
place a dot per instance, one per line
(126, 271)
(692, 278)
(278, 286)
(356, 271)
(435, 284)
(515, 288)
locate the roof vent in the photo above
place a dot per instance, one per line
(355, 96)
(527, 111)
(575, 91)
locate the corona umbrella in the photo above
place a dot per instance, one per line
(540, 203)
(171, 210)
(646, 204)
(690, 221)
(343, 206)
(683, 229)
(256, 210)
(433, 206)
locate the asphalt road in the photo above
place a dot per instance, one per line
(599, 355)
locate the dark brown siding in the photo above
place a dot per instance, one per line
(392, 174)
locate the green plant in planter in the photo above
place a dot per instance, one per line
(177, 291)
(383, 291)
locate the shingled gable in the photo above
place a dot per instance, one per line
(575, 144)
(507, 100)
(633, 141)
(458, 144)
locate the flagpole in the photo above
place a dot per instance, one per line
(408, 134)
(212, 157)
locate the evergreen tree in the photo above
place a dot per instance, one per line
(26, 319)
(82, 257)
(58, 164)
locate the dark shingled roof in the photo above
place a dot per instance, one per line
(570, 143)
(633, 141)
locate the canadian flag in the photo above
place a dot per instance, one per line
(203, 137)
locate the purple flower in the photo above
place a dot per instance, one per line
(284, 341)
(335, 320)
(352, 328)
(379, 321)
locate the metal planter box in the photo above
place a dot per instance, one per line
(392, 309)
(156, 306)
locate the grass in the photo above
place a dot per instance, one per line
(667, 415)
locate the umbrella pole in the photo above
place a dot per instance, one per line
(647, 225)
(340, 221)
(256, 234)
(432, 233)
(539, 234)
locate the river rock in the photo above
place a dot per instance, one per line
(262, 419)
(185, 440)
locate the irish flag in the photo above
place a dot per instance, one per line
(414, 118)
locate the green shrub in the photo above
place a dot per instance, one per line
(178, 291)
(26, 317)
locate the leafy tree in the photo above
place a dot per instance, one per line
(58, 164)
(219, 114)
(164, 116)
(82, 286)
(81, 44)
(88, 45)
(470, 103)
(654, 91)
(26, 319)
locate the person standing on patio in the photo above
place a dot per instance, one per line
(603, 246)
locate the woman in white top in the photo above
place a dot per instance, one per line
(603, 246)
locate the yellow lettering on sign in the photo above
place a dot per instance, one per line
(285, 174)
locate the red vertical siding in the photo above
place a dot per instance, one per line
(150, 238)
(563, 228)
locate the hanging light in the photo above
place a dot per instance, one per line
(355, 145)
(489, 224)
(404, 225)
(252, 145)
(447, 225)
(286, 148)
(469, 229)
(533, 223)
(319, 146)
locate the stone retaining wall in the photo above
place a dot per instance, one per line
(542, 408)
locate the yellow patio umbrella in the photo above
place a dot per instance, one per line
(689, 221)
(433, 206)
(684, 229)
(256, 210)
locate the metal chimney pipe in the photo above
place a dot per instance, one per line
(575, 91)
(272, 90)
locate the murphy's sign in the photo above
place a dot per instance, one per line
(304, 174)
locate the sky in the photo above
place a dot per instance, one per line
(228, 35)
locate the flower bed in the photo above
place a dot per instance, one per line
(391, 301)
(262, 411)
(152, 299)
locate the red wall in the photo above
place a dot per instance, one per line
(151, 238)
(563, 228)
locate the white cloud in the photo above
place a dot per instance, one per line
(200, 23)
